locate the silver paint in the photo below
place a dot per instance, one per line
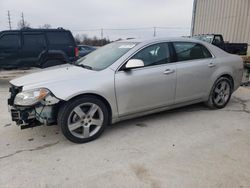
(143, 90)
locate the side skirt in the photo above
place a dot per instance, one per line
(155, 110)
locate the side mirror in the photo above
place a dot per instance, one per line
(134, 63)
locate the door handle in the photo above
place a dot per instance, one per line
(169, 71)
(211, 65)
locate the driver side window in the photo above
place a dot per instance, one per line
(156, 54)
(9, 41)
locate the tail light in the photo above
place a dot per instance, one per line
(76, 52)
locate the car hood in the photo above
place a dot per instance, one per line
(52, 75)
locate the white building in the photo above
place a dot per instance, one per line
(231, 18)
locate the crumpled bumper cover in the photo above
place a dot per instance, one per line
(25, 118)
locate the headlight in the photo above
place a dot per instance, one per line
(31, 97)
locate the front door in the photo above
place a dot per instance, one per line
(148, 87)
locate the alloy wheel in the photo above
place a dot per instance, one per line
(221, 93)
(85, 120)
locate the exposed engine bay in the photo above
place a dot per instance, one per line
(42, 113)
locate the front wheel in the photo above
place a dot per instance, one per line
(83, 119)
(220, 93)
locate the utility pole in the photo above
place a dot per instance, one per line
(9, 21)
(102, 36)
(193, 17)
(154, 31)
(23, 24)
(101, 33)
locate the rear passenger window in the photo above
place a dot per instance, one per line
(189, 51)
(9, 41)
(34, 41)
(59, 38)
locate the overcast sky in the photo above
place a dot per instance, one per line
(89, 16)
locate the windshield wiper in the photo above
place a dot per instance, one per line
(84, 66)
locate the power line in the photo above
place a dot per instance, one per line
(138, 28)
(125, 29)
(131, 29)
(177, 28)
(85, 30)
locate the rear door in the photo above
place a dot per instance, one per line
(9, 50)
(62, 41)
(195, 66)
(33, 45)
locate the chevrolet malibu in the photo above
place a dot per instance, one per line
(123, 80)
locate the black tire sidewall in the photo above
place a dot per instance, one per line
(67, 108)
(213, 92)
(52, 62)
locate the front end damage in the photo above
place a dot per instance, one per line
(44, 112)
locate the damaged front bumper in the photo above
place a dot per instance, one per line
(33, 116)
(42, 113)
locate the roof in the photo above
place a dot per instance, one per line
(156, 39)
(34, 30)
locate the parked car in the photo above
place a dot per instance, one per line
(123, 80)
(85, 49)
(217, 40)
(36, 48)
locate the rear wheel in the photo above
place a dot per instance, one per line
(50, 63)
(220, 93)
(83, 119)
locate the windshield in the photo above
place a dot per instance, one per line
(105, 56)
(206, 38)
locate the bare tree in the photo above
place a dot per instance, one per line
(45, 26)
(78, 39)
(22, 24)
(84, 39)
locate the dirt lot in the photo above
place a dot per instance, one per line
(187, 147)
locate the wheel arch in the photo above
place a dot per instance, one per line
(226, 75)
(100, 97)
(52, 55)
(216, 76)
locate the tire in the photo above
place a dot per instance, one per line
(83, 119)
(50, 63)
(220, 93)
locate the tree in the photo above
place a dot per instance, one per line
(45, 26)
(84, 39)
(78, 39)
(22, 24)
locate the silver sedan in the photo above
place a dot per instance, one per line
(123, 80)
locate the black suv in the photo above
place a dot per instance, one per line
(36, 48)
